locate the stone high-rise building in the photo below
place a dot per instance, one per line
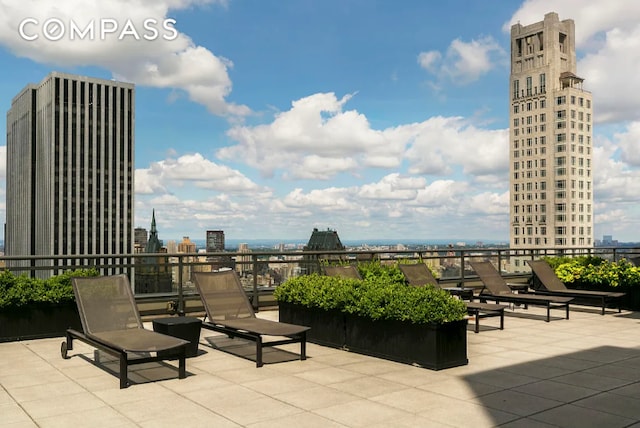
(70, 160)
(550, 139)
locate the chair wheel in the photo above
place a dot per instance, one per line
(63, 350)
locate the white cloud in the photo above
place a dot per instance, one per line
(442, 144)
(464, 62)
(195, 170)
(430, 60)
(316, 139)
(178, 64)
(629, 143)
(611, 75)
(313, 134)
(393, 187)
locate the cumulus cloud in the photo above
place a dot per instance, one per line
(464, 62)
(192, 169)
(629, 143)
(314, 133)
(318, 139)
(149, 53)
(442, 144)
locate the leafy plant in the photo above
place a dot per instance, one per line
(21, 291)
(595, 272)
(381, 295)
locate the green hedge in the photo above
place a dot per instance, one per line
(21, 291)
(381, 295)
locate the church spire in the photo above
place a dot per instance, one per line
(153, 223)
(153, 244)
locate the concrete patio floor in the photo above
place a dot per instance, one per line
(581, 372)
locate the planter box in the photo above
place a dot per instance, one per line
(433, 346)
(38, 322)
(327, 327)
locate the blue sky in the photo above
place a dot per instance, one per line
(380, 119)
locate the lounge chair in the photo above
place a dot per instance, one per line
(419, 275)
(554, 287)
(342, 271)
(111, 322)
(229, 312)
(498, 290)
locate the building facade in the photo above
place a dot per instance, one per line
(551, 147)
(215, 241)
(70, 163)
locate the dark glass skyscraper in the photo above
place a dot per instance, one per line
(70, 172)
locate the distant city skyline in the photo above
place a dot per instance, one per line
(382, 120)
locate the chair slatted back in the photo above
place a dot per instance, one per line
(546, 275)
(418, 274)
(348, 271)
(491, 278)
(106, 303)
(223, 296)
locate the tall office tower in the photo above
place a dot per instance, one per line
(551, 192)
(70, 155)
(215, 241)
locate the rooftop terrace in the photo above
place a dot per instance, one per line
(578, 372)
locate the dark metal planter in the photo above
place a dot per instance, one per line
(37, 322)
(433, 346)
(327, 327)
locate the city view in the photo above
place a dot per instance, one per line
(340, 213)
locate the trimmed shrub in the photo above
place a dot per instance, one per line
(21, 291)
(381, 295)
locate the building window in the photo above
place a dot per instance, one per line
(516, 88)
(543, 83)
(529, 86)
(561, 100)
(543, 103)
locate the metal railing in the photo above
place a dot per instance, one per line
(162, 282)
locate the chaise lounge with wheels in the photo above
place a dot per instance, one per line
(229, 311)
(496, 289)
(111, 323)
(553, 286)
(419, 275)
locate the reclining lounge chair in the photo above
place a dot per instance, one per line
(342, 271)
(229, 312)
(111, 322)
(419, 275)
(498, 291)
(554, 287)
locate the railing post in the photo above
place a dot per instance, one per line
(255, 300)
(181, 308)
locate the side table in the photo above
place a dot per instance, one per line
(187, 328)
